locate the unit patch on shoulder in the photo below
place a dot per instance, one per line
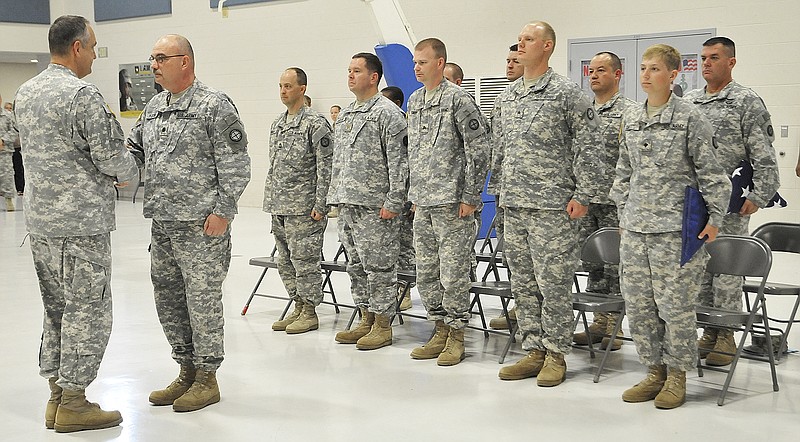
(325, 142)
(473, 124)
(590, 113)
(770, 131)
(235, 135)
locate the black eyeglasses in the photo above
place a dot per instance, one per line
(161, 58)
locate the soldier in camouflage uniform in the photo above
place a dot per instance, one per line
(74, 152)
(406, 257)
(8, 136)
(196, 167)
(295, 192)
(546, 126)
(666, 145)
(743, 131)
(368, 182)
(448, 158)
(605, 72)
(514, 70)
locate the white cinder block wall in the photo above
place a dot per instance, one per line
(245, 53)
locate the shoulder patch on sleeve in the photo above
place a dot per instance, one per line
(590, 113)
(235, 135)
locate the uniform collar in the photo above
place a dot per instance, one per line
(185, 100)
(364, 107)
(722, 95)
(610, 103)
(437, 93)
(540, 85)
(61, 68)
(295, 122)
(664, 118)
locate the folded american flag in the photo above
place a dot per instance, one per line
(742, 185)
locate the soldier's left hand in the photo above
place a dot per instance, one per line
(748, 208)
(215, 225)
(121, 185)
(465, 210)
(316, 216)
(576, 210)
(387, 214)
(710, 231)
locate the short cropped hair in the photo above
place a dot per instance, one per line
(437, 45)
(458, 73)
(548, 32)
(336, 106)
(373, 63)
(394, 93)
(616, 63)
(724, 41)
(302, 78)
(669, 55)
(514, 47)
(64, 31)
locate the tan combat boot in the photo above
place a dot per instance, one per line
(52, 403)
(203, 392)
(554, 370)
(612, 322)
(283, 323)
(307, 321)
(500, 323)
(597, 328)
(724, 343)
(649, 387)
(673, 394)
(707, 342)
(354, 334)
(10, 204)
(380, 335)
(527, 367)
(405, 303)
(435, 344)
(75, 413)
(175, 389)
(453, 351)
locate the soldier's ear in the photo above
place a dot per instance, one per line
(76, 47)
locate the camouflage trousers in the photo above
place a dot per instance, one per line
(75, 282)
(725, 291)
(542, 251)
(660, 297)
(299, 241)
(372, 247)
(407, 256)
(602, 278)
(187, 268)
(7, 187)
(445, 253)
(499, 220)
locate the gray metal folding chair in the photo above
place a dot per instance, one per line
(500, 289)
(601, 247)
(328, 267)
(780, 237)
(748, 257)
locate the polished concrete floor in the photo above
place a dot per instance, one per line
(307, 387)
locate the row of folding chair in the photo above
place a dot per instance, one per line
(733, 255)
(338, 264)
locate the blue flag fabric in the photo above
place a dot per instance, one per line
(742, 185)
(695, 218)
